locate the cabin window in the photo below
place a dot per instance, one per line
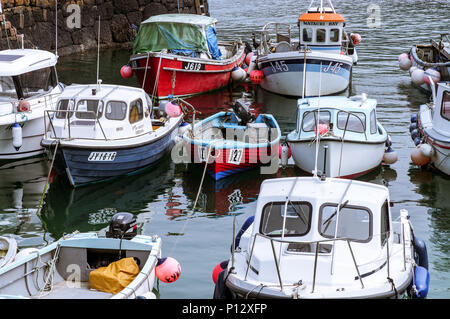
(334, 35)
(136, 111)
(445, 111)
(64, 105)
(89, 109)
(354, 223)
(385, 226)
(116, 110)
(354, 122)
(310, 120)
(307, 34)
(321, 35)
(37, 82)
(7, 88)
(373, 122)
(297, 219)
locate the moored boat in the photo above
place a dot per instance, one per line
(124, 265)
(322, 46)
(28, 87)
(314, 237)
(430, 131)
(99, 132)
(179, 55)
(232, 142)
(351, 141)
(428, 60)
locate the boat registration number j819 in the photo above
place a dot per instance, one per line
(102, 156)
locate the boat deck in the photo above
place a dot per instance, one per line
(65, 290)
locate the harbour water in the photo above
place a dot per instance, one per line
(163, 198)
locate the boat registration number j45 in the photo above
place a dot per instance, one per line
(102, 156)
(192, 66)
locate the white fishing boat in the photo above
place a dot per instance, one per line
(314, 237)
(123, 265)
(28, 87)
(350, 141)
(99, 132)
(8, 250)
(428, 60)
(430, 130)
(323, 46)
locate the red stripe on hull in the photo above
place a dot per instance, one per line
(185, 83)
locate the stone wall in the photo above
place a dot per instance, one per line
(78, 21)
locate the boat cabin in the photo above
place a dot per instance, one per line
(441, 114)
(25, 74)
(101, 112)
(321, 29)
(179, 34)
(355, 116)
(294, 215)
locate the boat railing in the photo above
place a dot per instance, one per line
(270, 35)
(68, 123)
(316, 254)
(33, 102)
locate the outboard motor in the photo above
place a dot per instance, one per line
(122, 225)
(241, 109)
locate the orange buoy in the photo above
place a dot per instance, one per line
(418, 158)
(323, 129)
(256, 76)
(168, 270)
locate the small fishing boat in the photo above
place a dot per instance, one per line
(179, 55)
(350, 141)
(322, 46)
(430, 131)
(232, 142)
(314, 237)
(8, 250)
(427, 60)
(123, 265)
(28, 87)
(99, 132)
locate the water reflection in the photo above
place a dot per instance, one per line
(90, 208)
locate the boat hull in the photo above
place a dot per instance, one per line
(181, 76)
(358, 158)
(283, 74)
(84, 166)
(232, 161)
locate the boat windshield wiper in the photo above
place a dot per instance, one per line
(328, 221)
(302, 215)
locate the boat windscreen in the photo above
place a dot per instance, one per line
(7, 88)
(181, 37)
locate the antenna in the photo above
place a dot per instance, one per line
(56, 23)
(318, 122)
(98, 50)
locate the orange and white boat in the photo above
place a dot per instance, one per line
(292, 66)
(179, 55)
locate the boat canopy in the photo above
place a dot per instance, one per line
(185, 34)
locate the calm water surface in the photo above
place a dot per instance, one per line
(163, 198)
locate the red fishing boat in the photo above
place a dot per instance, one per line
(179, 55)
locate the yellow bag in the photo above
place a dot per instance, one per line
(115, 277)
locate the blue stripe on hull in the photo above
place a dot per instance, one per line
(312, 65)
(81, 171)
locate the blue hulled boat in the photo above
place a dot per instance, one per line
(99, 132)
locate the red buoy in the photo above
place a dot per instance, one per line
(126, 72)
(256, 76)
(323, 128)
(168, 270)
(218, 269)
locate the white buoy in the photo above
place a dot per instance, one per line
(238, 74)
(412, 69)
(404, 63)
(285, 154)
(252, 65)
(433, 73)
(17, 136)
(417, 76)
(390, 156)
(427, 150)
